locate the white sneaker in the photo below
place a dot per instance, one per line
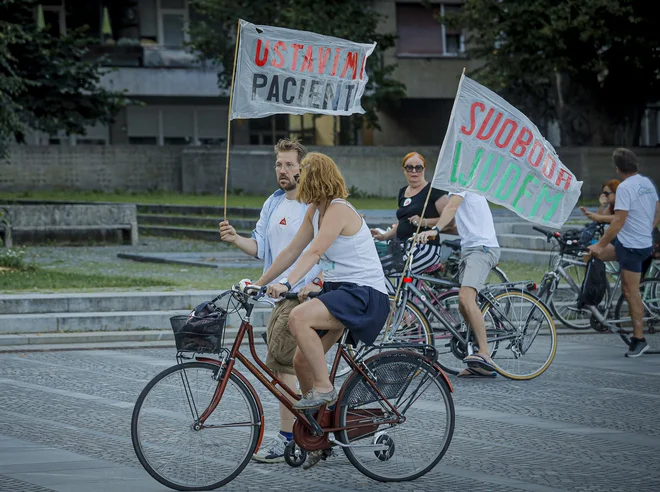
(273, 451)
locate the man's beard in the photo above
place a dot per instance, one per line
(291, 185)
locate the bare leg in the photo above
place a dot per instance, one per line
(309, 360)
(630, 287)
(467, 304)
(286, 417)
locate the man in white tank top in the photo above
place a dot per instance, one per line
(279, 221)
(480, 252)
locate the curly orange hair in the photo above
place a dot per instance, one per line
(412, 154)
(320, 179)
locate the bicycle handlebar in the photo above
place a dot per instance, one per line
(294, 295)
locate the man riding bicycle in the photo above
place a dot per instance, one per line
(636, 215)
(279, 221)
(480, 252)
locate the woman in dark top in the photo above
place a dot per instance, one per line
(411, 203)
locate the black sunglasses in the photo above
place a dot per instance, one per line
(608, 193)
(417, 169)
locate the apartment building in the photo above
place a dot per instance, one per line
(181, 104)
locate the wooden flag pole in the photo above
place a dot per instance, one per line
(231, 98)
(412, 248)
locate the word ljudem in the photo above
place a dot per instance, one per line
(522, 145)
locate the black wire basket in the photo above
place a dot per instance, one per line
(200, 334)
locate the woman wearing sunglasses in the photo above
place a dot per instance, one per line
(411, 203)
(607, 198)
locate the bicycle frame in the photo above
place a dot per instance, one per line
(550, 282)
(443, 314)
(271, 383)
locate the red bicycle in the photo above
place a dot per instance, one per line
(196, 425)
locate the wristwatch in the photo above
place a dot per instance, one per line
(285, 282)
(318, 282)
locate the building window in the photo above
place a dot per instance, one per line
(420, 32)
(267, 131)
(176, 125)
(173, 18)
(55, 18)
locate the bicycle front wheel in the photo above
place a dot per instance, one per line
(564, 303)
(524, 332)
(650, 292)
(167, 437)
(396, 452)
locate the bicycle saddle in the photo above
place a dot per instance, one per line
(454, 244)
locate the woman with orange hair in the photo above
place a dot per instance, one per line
(605, 212)
(353, 296)
(411, 203)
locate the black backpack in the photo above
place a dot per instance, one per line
(594, 284)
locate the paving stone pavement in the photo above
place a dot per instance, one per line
(590, 423)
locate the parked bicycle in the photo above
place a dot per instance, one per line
(196, 424)
(601, 317)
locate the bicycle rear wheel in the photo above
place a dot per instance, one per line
(406, 325)
(397, 452)
(451, 350)
(525, 334)
(650, 291)
(166, 438)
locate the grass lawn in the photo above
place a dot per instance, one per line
(43, 279)
(175, 199)
(36, 279)
(523, 271)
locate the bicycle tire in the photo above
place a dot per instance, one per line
(520, 346)
(423, 335)
(417, 372)
(648, 287)
(166, 406)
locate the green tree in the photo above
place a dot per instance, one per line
(593, 65)
(47, 83)
(213, 32)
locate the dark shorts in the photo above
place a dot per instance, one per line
(362, 310)
(631, 259)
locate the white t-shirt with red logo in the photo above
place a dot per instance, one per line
(282, 228)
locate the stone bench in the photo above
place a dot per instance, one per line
(115, 222)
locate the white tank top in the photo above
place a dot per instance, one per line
(352, 258)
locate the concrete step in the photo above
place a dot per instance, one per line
(103, 302)
(191, 221)
(186, 232)
(104, 321)
(527, 228)
(104, 340)
(219, 211)
(526, 242)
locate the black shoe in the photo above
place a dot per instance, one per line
(637, 347)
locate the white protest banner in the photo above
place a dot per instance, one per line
(494, 150)
(287, 71)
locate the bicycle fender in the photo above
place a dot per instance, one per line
(257, 401)
(255, 396)
(340, 396)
